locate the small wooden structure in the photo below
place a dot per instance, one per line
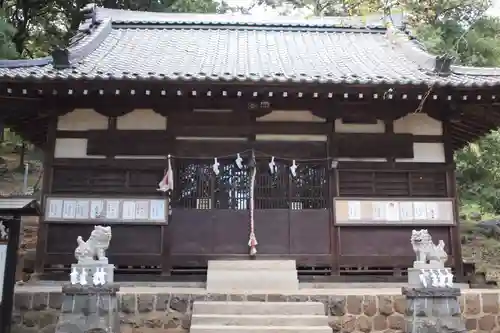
(370, 119)
(11, 211)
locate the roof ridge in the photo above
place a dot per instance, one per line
(124, 17)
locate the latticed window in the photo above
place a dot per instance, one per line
(271, 190)
(193, 185)
(308, 190)
(197, 186)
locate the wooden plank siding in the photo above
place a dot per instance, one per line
(294, 217)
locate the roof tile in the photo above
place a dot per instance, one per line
(173, 47)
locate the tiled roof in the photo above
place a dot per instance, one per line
(127, 45)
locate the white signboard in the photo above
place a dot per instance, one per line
(419, 210)
(406, 210)
(82, 210)
(378, 211)
(111, 209)
(69, 209)
(3, 259)
(128, 210)
(432, 210)
(142, 210)
(96, 209)
(392, 211)
(157, 210)
(55, 209)
(354, 210)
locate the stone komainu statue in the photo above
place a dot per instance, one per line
(95, 247)
(425, 250)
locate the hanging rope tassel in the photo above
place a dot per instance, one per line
(252, 241)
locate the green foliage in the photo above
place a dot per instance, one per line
(40, 25)
(477, 45)
(7, 31)
(478, 176)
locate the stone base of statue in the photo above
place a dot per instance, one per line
(89, 308)
(92, 266)
(433, 310)
(414, 274)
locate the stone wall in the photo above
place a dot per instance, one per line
(169, 313)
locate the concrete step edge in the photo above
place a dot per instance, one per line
(229, 327)
(249, 303)
(304, 316)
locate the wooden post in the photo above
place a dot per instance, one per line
(9, 276)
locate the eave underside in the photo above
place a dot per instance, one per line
(28, 106)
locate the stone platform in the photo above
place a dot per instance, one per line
(255, 275)
(167, 307)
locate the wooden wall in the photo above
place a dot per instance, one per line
(98, 155)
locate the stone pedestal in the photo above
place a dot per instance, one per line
(414, 273)
(89, 308)
(92, 266)
(433, 310)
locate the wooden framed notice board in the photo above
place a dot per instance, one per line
(356, 211)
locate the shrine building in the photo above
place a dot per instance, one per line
(359, 124)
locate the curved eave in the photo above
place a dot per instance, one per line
(473, 125)
(89, 43)
(74, 77)
(411, 49)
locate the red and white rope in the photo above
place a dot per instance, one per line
(252, 240)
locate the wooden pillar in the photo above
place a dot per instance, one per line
(48, 151)
(9, 277)
(333, 193)
(451, 188)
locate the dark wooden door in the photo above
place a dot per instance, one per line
(211, 217)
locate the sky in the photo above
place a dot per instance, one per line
(264, 12)
(495, 9)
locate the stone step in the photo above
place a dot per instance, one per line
(251, 281)
(235, 275)
(258, 308)
(257, 329)
(262, 320)
(252, 265)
